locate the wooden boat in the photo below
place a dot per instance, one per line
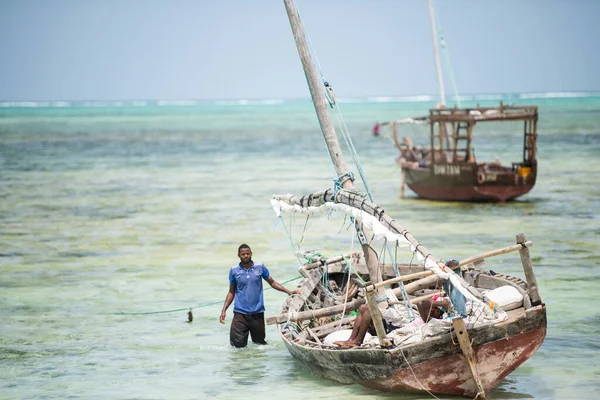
(468, 353)
(446, 167)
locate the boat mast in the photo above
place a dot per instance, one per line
(333, 145)
(316, 92)
(436, 53)
(442, 128)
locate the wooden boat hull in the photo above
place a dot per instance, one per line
(438, 363)
(468, 182)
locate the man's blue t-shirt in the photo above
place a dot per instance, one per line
(248, 288)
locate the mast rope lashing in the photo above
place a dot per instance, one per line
(338, 182)
(311, 257)
(380, 212)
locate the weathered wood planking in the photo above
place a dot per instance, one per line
(310, 282)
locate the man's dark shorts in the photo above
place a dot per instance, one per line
(242, 325)
(386, 326)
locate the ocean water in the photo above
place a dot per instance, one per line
(116, 218)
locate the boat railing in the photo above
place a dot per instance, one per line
(521, 167)
(479, 114)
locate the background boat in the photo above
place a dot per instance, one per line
(446, 166)
(492, 342)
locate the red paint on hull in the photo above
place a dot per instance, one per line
(471, 193)
(451, 374)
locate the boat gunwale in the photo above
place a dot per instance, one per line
(514, 316)
(371, 364)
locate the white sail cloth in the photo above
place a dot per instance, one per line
(478, 312)
(370, 222)
(281, 203)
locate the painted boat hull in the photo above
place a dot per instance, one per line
(436, 365)
(468, 182)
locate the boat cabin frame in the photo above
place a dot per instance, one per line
(452, 132)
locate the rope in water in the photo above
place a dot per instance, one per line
(187, 308)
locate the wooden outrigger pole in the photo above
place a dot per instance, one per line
(333, 146)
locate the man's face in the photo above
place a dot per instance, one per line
(245, 255)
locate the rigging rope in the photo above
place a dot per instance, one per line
(280, 218)
(328, 91)
(189, 308)
(405, 298)
(352, 150)
(345, 297)
(338, 182)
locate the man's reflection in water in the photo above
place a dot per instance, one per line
(247, 366)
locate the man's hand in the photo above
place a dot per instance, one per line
(294, 292)
(222, 317)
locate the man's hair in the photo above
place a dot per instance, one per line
(243, 246)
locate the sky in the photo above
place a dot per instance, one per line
(244, 49)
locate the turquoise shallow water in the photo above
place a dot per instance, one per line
(122, 208)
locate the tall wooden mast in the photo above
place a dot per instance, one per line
(333, 145)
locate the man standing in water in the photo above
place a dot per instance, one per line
(245, 285)
(376, 129)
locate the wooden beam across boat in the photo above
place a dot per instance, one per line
(322, 312)
(348, 307)
(493, 253)
(469, 260)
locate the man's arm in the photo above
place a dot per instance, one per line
(228, 300)
(275, 285)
